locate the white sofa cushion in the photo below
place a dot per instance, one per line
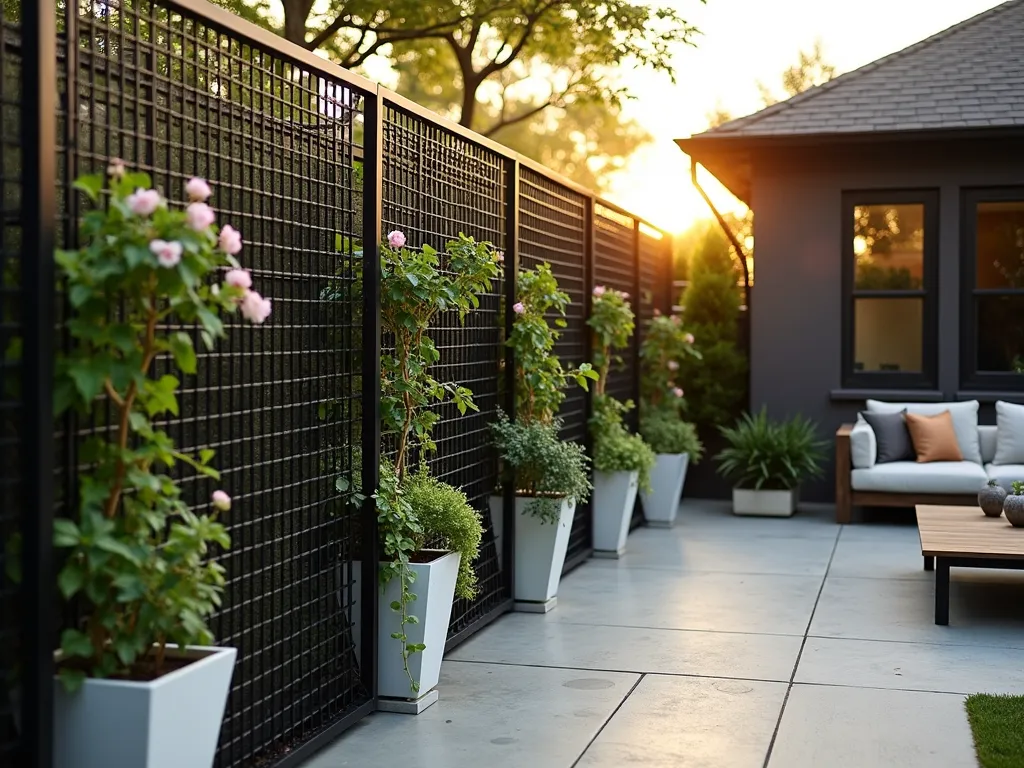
(1005, 474)
(956, 477)
(965, 421)
(987, 440)
(1010, 437)
(863, 446)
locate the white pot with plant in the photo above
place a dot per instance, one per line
(139, 681)
(412, 506)
(622, 461)
(673, 440)
(767, 460)
(549, 474)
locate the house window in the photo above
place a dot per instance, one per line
(889, 272)
(992, 353)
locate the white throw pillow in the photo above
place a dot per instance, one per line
(964, 415)
(863, 446)
(1009, 433)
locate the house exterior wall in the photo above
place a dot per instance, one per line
(796, 333)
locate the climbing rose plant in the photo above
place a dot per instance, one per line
(665, 346)
(137, 558)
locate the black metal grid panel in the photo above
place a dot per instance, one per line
(11, 375)
(177, 97)
(552, 229)
(655, 277)
(615, 267)
(437, 184)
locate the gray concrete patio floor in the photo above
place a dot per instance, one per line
(723, 643)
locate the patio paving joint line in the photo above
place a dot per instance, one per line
(608, 719)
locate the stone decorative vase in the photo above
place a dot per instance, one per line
(1013, 508)
(991, 498)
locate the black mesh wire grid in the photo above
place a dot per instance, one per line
(437, 184)
(175, 96)
(552, 230)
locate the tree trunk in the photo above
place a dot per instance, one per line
(469, 86)
(296, 13)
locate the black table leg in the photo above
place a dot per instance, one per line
(942, 591)
(929, 563)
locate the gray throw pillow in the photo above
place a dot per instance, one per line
(1009, 433)
(891, 435)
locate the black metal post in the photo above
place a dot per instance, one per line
(511, 275)
(373, 161)
(38, 140)
(929, 563)
(589, 239)
(942, 591)
(638, 333)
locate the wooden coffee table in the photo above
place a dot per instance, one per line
(964, 537)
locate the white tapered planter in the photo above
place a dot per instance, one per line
(540, 548)
(171, 722)
(613, 501)
(763, 503)
(661, 503)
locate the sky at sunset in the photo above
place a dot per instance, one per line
(744, 41)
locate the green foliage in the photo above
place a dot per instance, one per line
(415, 288)
(996, 725)
(666, 432)
(540, 379)
(612, 322)
(1018, 488)
(875, 277)
(665, 347)
(615, 448)
(444, 513)
(546, 467)
(137, 559)
(769, 455)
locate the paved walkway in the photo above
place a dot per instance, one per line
(723, 643)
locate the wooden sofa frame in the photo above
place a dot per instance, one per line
(847, 498)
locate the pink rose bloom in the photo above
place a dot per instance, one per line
(221, 501)
(673, 365)
(396, 239)
(239, 278)
(624, 295)
(499, 257)
(199, 216)
(689, 338)
(142, 202)
(167, 253)
(518, 308)
(598, 291)
(677, 392)
(116, 168)
(255, 308)
(657, 312)
(230, 240)
(197, 190)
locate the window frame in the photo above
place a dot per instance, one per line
(970, 377)
(928, 293)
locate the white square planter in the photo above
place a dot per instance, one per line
(661, 503)
(540, 549)
(170, 722)
(763, 503)
(613, 501)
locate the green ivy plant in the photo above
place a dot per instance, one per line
(137, 558)
(415, 288)
(770, 455)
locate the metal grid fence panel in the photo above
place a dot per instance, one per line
(176, 97)
(437, 184)
(552, 230)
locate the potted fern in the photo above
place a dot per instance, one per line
(674, 441)
(550, 474)
(767, 461)
(140, 682)
(622, 461)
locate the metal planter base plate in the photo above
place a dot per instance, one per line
(408, 706)
(660, 524)
(609, 554)
(522, 606)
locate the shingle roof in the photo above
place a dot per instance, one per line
(968, 76)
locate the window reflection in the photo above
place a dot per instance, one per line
(888, 246)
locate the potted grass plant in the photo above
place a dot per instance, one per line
(767, 460)
(140, 682)
(622, 461)
(550, 474)
(674, 441)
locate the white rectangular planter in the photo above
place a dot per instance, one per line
(170, 722)
(540, 549)
(613, 501)
(763, 503)
(661, 503)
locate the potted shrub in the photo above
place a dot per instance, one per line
(767, 460)
(550, 474)
(139, 680)
(673, 440)
(412, 507)
(622, 461)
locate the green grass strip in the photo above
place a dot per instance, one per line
(998, 726)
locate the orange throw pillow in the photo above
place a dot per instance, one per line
(933, 437)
